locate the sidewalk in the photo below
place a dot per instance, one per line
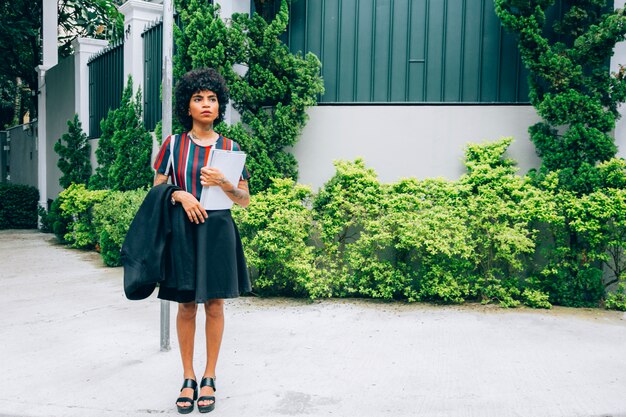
(72, 345)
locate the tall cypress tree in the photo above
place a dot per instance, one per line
(132, 145)
(74, 155)
(570, 83)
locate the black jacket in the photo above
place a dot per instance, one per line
(158, 248)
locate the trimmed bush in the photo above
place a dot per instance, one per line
(74, 155)
(342, 209)
(18, 206)
(274, 230)
(112, 218)
(76, 203)
(617, 299)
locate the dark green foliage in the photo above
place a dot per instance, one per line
(617, 299)
(271, 96)
(570, 84)
(274, 230)
(59, 221)
(125, 147)
(105, 153)
(74, 155)
(112, 218)
(18, 206)
(20, 39)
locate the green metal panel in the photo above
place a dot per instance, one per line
(152, 74)
(106, 84)
(382, 51)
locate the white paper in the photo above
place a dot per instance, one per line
(231, 164)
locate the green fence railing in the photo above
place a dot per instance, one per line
(388, 51)
(106, 84)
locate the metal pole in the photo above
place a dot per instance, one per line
(166, 111)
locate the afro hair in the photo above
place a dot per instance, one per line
(201, 79)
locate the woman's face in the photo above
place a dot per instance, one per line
(204, 107)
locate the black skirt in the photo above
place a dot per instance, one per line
(220, 266)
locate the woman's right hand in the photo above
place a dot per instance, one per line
(195, 212)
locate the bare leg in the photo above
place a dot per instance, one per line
(186, 329)
(214, 328)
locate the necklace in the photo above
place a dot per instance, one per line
(201, 142)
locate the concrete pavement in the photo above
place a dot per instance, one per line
(72, 345)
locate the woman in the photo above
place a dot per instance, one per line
(201, 97)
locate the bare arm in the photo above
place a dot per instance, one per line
(239, 194)
(160, 179)
(195, 212)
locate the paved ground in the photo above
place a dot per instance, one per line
(72, 345)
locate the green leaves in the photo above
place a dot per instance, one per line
(74, 155)
(125, 147)
(271, 90)
(570, 83)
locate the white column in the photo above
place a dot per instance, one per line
(619, 57)
(137, 15)
(50, 59)
(227, 9)
(49, 32)
(84, 48)
(42, 137)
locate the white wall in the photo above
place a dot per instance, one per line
(60, 107)
(408, 141)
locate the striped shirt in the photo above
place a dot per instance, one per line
(183, 167)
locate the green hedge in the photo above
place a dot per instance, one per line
(491, 236)
(18, 206)
(112, 218)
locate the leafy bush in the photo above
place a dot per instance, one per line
(272, 95)
(59, 221)
(74, 155)
(416, 248)
(500, 210)
(274, 230)
(341, 210)
(617, 299)
(535, 298)
(125, 147)
(18, 206)
(111, 220)
(76, 202)
(570, 83)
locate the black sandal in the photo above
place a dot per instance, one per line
(186, 409)
(207, 382)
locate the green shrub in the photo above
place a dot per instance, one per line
(272, 95)
(125, 147)
(18, 206)
(341, 210)
(416, 248)
(535, 298)
(46, 221)
(76, 202)
(501, 210)
(274, 230)
(617, 300)
(59, 221)
(112, 218)
(570, 83)
(74, 155)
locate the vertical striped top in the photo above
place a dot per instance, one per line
(183, 167)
